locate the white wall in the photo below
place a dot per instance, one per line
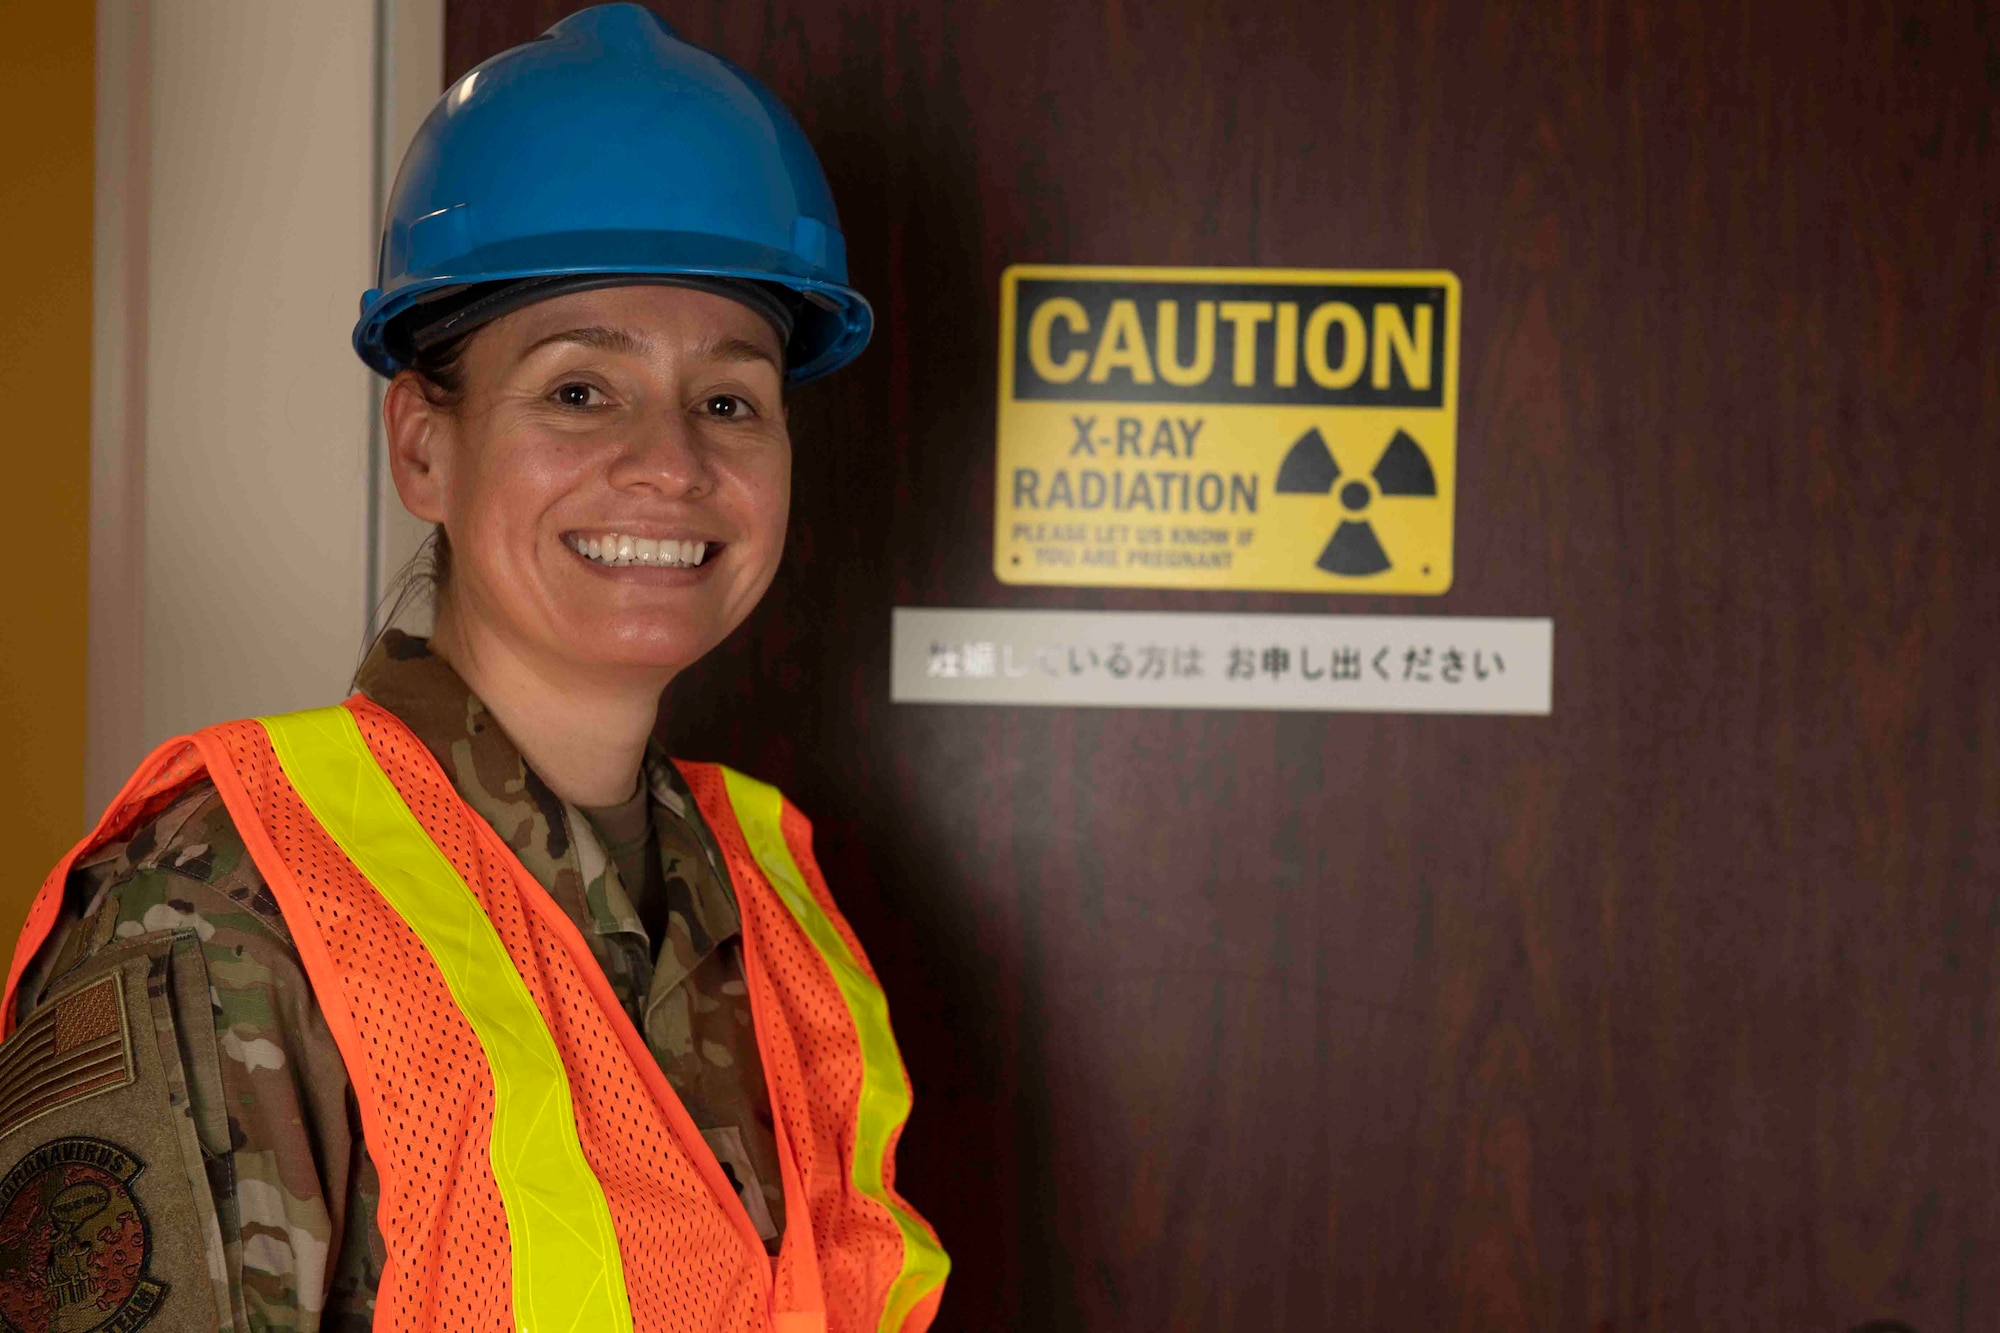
(238, 530)
(411, 78)
(256, 410)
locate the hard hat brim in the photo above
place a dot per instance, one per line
(834, 321)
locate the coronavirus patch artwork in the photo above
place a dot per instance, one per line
(1280, 429)
(74, 1243)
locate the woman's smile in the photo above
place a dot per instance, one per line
(614, 552)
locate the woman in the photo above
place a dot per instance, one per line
(460, 1005)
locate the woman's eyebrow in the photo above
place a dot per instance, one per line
(595, 336)
(728, 347)
(602, 338)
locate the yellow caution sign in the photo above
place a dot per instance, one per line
(1291, 430)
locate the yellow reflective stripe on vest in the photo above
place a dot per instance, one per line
(567, 1273)
(885, 1095)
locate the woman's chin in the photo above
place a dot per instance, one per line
(635, 649)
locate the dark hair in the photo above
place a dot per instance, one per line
(440, 371)
(422, 576)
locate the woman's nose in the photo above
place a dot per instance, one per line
(664, 452)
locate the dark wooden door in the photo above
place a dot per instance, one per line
(1679, 1009)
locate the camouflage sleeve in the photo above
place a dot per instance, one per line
(219, 1141)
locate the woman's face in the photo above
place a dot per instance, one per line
(614, 480)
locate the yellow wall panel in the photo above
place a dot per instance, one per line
(46, 98)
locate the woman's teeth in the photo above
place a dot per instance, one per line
(617, 550)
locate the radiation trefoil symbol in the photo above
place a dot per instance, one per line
(1354, 551)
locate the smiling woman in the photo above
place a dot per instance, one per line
(468, 1006)
(576, 453)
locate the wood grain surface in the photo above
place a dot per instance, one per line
(1679, 1009)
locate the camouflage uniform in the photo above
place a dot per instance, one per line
(224, 1097)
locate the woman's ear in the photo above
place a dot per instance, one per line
(417, 432)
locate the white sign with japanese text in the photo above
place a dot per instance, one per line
(1127, 659)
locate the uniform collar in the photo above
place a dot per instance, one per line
(551, 837)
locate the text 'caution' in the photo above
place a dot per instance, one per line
(1280, 429)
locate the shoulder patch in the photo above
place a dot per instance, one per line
(74, 1244)
(71, 1048)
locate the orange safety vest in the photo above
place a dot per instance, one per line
(537, 1170)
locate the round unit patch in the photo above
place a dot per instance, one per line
(74, 1243)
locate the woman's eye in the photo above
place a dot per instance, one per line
(725, 405)
(577, 395)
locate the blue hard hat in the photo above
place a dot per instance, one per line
(609, 147)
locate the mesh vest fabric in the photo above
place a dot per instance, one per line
(690, 1256)
(817, 1070)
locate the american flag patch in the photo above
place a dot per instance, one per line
(70, 1049)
